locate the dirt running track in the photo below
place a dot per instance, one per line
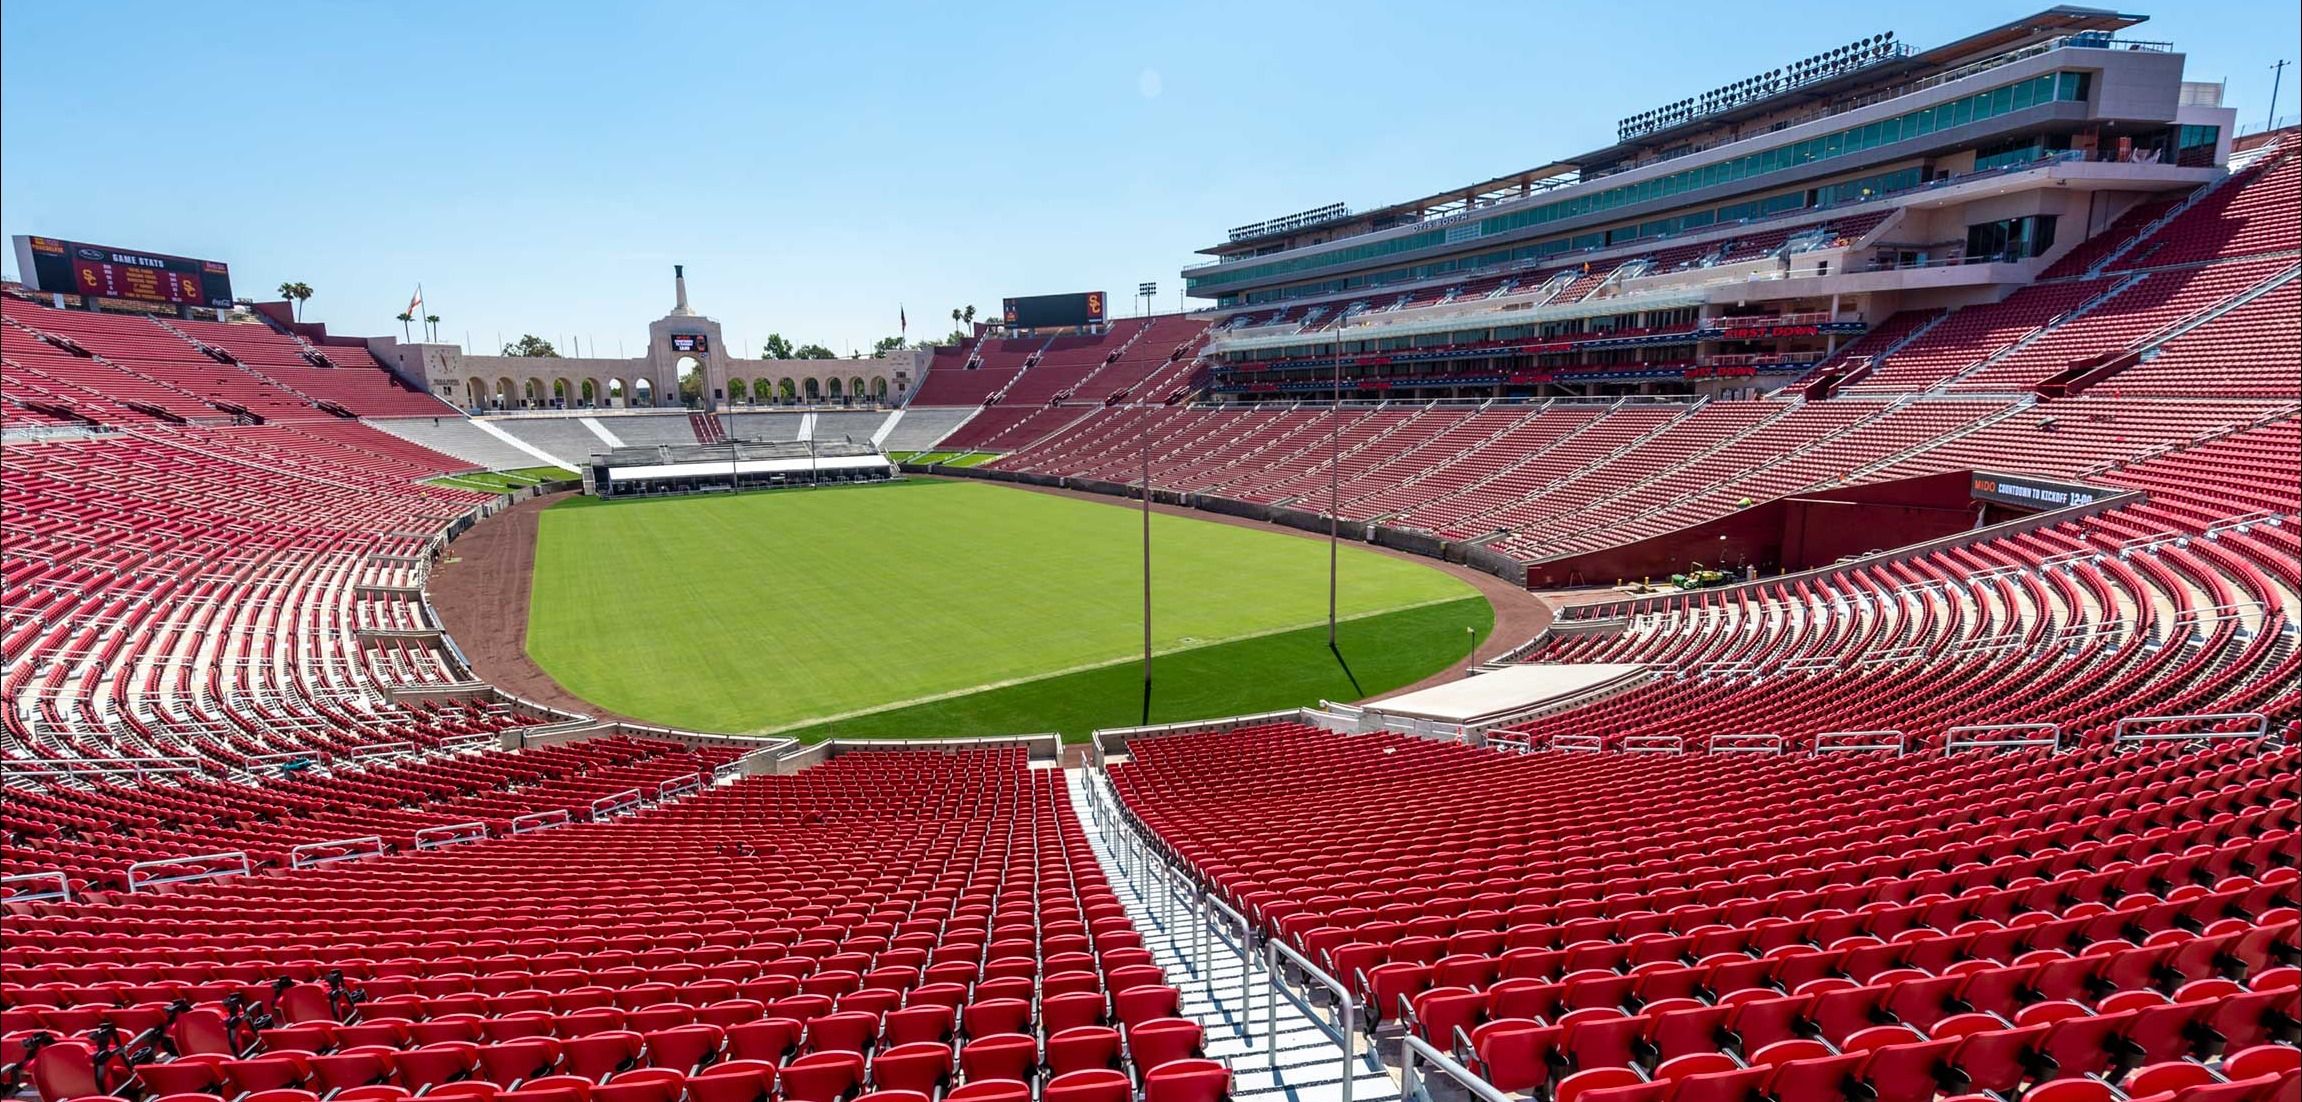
(480, 591)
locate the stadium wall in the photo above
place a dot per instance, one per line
(1413, 542)
(1781, 537)
(1667, 554)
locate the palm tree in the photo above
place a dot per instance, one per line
(432, 323)
(296, 292)
(956, 314)
(404, 318)
(969, 316)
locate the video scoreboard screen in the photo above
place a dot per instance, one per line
(690, 342)
(1050, 311)
(78, 268)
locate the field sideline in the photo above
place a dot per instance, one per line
(790, 609)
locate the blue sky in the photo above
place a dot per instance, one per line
(540, 167)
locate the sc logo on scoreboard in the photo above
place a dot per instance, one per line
(1054, 311)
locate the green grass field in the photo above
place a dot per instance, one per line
(948, 459)
(945, 607)
(497, 482)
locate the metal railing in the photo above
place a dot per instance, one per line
(1833, 741)
(2244, 522)
(102, 767)
(451, 834)
(678, 786)
(541, 820)
(1751, 743)
(1414, 1050)
(382, 750)
(2001, 736)
(1586, 743)
(2134, 728)
(1172, 894)
(730, 769)
(63, 887)
(607, 807)
(312, 854)
(284, 757)
(140, 874)
(1347, 1007)
(1654, 744)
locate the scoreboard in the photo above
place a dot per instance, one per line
(1052, 311)
(101, 271)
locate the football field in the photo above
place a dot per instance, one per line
(931, 607)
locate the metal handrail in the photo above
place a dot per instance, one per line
(1811, 662)
(735, 767)
(541, 820)
(1412, 1048)
(285, 756)
(616, 803)
(1750, 743)
(63, 886)
(382, 750)
(2152, 542)
(2259, 724)
(1654, 744)
(2243, 521)
(451, 834)
(2069, 558)
(1591, 743)
(1246, 948)
(1831, 741)
(302, 857)
(678, 786)
(137, 881)
(103, 767)
(1956, 738)
(2215, 614)
(1348, 1004)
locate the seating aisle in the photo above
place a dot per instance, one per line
(1305, 1063)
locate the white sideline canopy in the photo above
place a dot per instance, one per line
(751, 466)
(1507, 691)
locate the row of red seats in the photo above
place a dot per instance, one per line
(1795, 927)
(888, 920)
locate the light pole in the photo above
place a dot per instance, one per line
(1145, 290)
(1334, 489)
(2277, 76)
(1146, 434)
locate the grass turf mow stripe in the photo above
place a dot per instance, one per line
(1379, 653)
(768, 610)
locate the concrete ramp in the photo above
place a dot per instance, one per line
(880, 434)
(600, 430)
(548, 459)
